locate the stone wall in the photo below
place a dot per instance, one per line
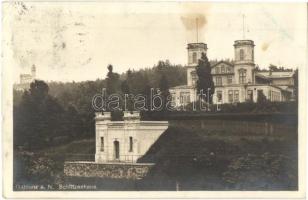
(240, 127)
(107, 170)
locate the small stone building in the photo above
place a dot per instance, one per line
(127, 140)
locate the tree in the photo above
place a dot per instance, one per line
(128, 101)
(273, 68)
(261, 99)
(112, 80)
(147, 93)
(38, 118)
(164, 89)
(205, 82)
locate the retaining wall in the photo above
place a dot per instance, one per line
(107, 170)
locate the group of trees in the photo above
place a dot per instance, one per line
(49, 113)
(274, 68)
(40, 121)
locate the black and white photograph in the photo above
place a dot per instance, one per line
(179, 97)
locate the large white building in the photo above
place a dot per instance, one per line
(235, 81)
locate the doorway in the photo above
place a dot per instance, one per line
(116, 145)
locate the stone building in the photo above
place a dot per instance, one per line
(26, 80)
(235, 81)
(127, 140)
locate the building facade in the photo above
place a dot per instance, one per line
(127, 140)
(235, 81)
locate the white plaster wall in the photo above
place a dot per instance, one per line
(248, 53)
(144, 134)
(198, 51)
(189, 69)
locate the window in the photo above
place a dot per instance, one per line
(130, 144)
(236, 96)
(184, 97)
(230, 96)
(102, 143)
(188, 98)
(253, 55)
(229, 70)
(219, 96)
(194, 57)
(223, 69)
(229, 79)
(242, 76)
(275, 96)
(249, 95)
(173, 96)
(194, 78)
(218, 81)
(217, 70)
(241, 54)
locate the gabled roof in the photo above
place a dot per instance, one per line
(276, 74)
(222, 61)
(262, 76)
(182, 87)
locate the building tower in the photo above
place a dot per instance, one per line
(33, 72)
(195, 51)
(244, 61)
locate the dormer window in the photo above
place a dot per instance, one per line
(223, 69)
(217, 70)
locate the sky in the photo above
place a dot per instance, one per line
(76, 41)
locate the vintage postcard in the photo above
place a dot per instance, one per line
(154, 99)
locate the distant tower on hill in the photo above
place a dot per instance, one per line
(26, 80)
(33, 72)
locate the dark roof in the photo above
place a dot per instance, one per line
(196, 45)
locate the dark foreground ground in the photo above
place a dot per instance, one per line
(186, 159)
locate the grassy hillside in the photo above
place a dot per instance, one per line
(201, 160)
(186, 158)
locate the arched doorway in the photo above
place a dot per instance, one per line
(116, 145)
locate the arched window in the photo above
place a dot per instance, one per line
(242, 76)
(241, 54)
(194, 57)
